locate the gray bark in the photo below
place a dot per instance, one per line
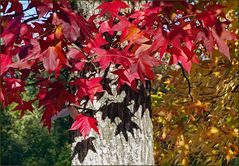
(109, 148)
(113, 149)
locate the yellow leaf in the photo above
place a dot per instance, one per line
(184, 161)
(229, 155)
(214, 130)
(217, 73)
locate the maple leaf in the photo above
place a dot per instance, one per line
(125, 77)
(143, 63)
(105, 57)
(53, 58)
(16, 6)
(42, 6)
(74, 53)
(97, 42)
(30, 53)
(122, 24)
(5, 60)
(221, 37)
(49, 111)
(88, 87)
(11, 91)
(209, 17)
(179, 56)
(160, 42)
(174, 38)
(24, 106)
(104, 27)
(77, 55)
(134, 35)
(53, 101)
(207, 40)
(9, 35)
(147, 16)
(84, 124)
(80, 65)
(112, 8)
(23, 64)
(73, 25)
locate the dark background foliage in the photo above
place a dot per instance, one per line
(25, 142)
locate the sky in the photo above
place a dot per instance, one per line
(25, 4)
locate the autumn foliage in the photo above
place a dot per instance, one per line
(63, 55)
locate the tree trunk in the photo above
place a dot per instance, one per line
(133, 148)
(124, 122)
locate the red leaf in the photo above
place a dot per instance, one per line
(12, 90)
(221, 38)
(133, 35)
(111, 7)
(2, 98)
(42, 93)
(57, 95)
(144, 63)
(23, 64)
(88, 87)
(74, 26)
(24, 106)
(208, 40)
(42, 6)
(53, 101)
(125, 77)
(209, 17)
(105, 57)
(222, 46)
(104, 27)
(53, 58)
(122, 24)
(5, 61)
(97, 42)
(73, 53)
(190, 54)
(49, 112)
(32, 51)
(179, 56)
(84, 124)
(15, 6)
(79, 66)
(159, 43)
(11, 31)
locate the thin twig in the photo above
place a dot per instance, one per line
(189, 84)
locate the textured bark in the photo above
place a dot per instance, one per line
(113, 149)
(109, 148)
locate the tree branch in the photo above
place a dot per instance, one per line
(189, 84)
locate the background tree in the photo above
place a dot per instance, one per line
(25, 142)
(205, 114)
